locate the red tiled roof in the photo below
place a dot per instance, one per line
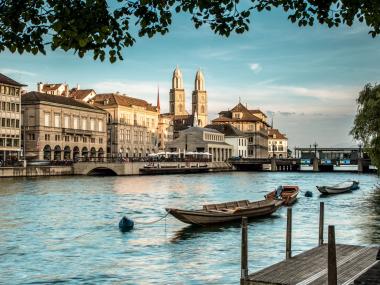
(122, 100)
(51, 87)
(36, 97)
(9, 81)
(276, 132)
(256, 111)
(222, 119)
(81, 93)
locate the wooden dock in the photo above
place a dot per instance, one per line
(310, 267)
(329, 263)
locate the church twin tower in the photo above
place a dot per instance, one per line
(199, 98)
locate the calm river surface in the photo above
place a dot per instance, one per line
(42, 220)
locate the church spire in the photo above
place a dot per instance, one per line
(177, 80)
(158, 98)
(199, 83)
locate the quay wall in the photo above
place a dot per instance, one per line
(31, 171)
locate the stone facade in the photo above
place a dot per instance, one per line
(277, 144)
(234, 137)
(10, 127)
(61, 128)
(197, 139)
(165, 130)
(251, 122)
(131, 125)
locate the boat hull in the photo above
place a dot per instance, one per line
(288, 195)
(338, 190)
(201, 217)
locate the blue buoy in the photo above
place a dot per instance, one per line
(125, 224)
(308, 194)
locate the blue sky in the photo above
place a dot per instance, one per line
(307, 78)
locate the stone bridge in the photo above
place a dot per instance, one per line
(110, 168)
(133, 168)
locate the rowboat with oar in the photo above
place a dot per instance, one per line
(226, 212)
(339, 188)
(287, 193)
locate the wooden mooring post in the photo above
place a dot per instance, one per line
(321, 222)
(289, 234)
(244, 250)
(331, 258)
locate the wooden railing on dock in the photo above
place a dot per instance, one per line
(330, 264)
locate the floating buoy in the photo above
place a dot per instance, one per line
(308, 194)
(125, 224)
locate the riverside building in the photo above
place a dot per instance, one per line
(131, 125)
(10, 127)
(251, 122)
(201, 140)
(61, 128)
(277, 144)
(234, 137)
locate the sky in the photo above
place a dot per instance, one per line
(306, 79)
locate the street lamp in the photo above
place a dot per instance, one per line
(360, 149)
(315, 149)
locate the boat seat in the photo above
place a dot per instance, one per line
(228, 205)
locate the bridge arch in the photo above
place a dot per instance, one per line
(102, 171)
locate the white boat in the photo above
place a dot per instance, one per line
(339, 188)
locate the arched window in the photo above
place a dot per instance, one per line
(202, 109)
(85, 152)
(57, 152)
(66, 152)
(47, 152)
(76, 153)
(93, 152)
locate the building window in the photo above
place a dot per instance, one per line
(92, 140)
(57, 138)
(67, 122)
(76, 123)
(47, 119)
(31, 137)
(92, 125)
(57, 120)
(84, 139)
(100, 126)
(76, 139)
(100, 140)
(128, 135)
(47, 137)
(67, 138)
(84, 124)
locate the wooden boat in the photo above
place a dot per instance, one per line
(226, 212)
(287, 193)
(339, 188)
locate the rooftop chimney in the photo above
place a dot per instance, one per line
(40, 85)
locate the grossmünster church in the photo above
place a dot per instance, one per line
(180, 117)
(177, 102)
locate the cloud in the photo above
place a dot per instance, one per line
(16, 71)
(287, 114)
(255, 67)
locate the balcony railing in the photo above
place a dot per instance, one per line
(76, 131)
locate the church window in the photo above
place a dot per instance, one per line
(203, 109)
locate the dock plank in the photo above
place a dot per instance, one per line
(310, 267)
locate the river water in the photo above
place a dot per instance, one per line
(64, 229)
